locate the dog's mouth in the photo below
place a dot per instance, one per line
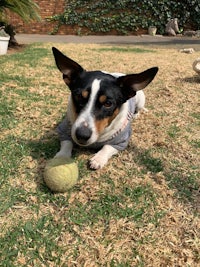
(82, 142)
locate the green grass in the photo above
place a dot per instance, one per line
(33, 234)
(7, 118)
(195, 115)
(151, 163)
(186, 182)
(119, 49)
(195, 143)
(173, 131)
(116, 206)
(113, 217)
(33, 56)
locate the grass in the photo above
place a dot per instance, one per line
(142, 209)
(125, 49)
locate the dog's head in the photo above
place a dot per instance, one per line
(97, 96)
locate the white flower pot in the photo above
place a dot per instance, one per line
(4, 44)
(152, 30)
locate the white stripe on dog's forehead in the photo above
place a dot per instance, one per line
(86, 114)
(94, 90)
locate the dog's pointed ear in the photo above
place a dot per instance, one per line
(69, 68)
(132, 83)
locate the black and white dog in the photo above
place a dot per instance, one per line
(100, 108)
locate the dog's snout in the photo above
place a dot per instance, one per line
(83, 134)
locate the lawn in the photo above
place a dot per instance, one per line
(142, 209)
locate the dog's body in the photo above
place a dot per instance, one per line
(100, 108)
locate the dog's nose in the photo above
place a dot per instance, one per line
(83, 134)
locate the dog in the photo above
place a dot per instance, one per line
(100, 108)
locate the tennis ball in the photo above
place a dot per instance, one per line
(60, 174)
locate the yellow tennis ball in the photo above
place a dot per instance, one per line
(60, 174)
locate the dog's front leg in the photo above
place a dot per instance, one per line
(65, 149)
(102, 157)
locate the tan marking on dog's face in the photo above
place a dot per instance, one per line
(84, 94)
(102, 124)
(102, 99)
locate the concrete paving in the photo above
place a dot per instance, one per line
(147, 40)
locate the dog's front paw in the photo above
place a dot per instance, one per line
(97, 162)
(62, 154)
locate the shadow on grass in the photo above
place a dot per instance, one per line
(186, 183)
(193, 79)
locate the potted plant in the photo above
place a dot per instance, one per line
(4, 40)
(152, 30)
(28, 11)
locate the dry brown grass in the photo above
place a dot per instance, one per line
(169, 233)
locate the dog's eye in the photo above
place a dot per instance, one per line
(107, 104)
